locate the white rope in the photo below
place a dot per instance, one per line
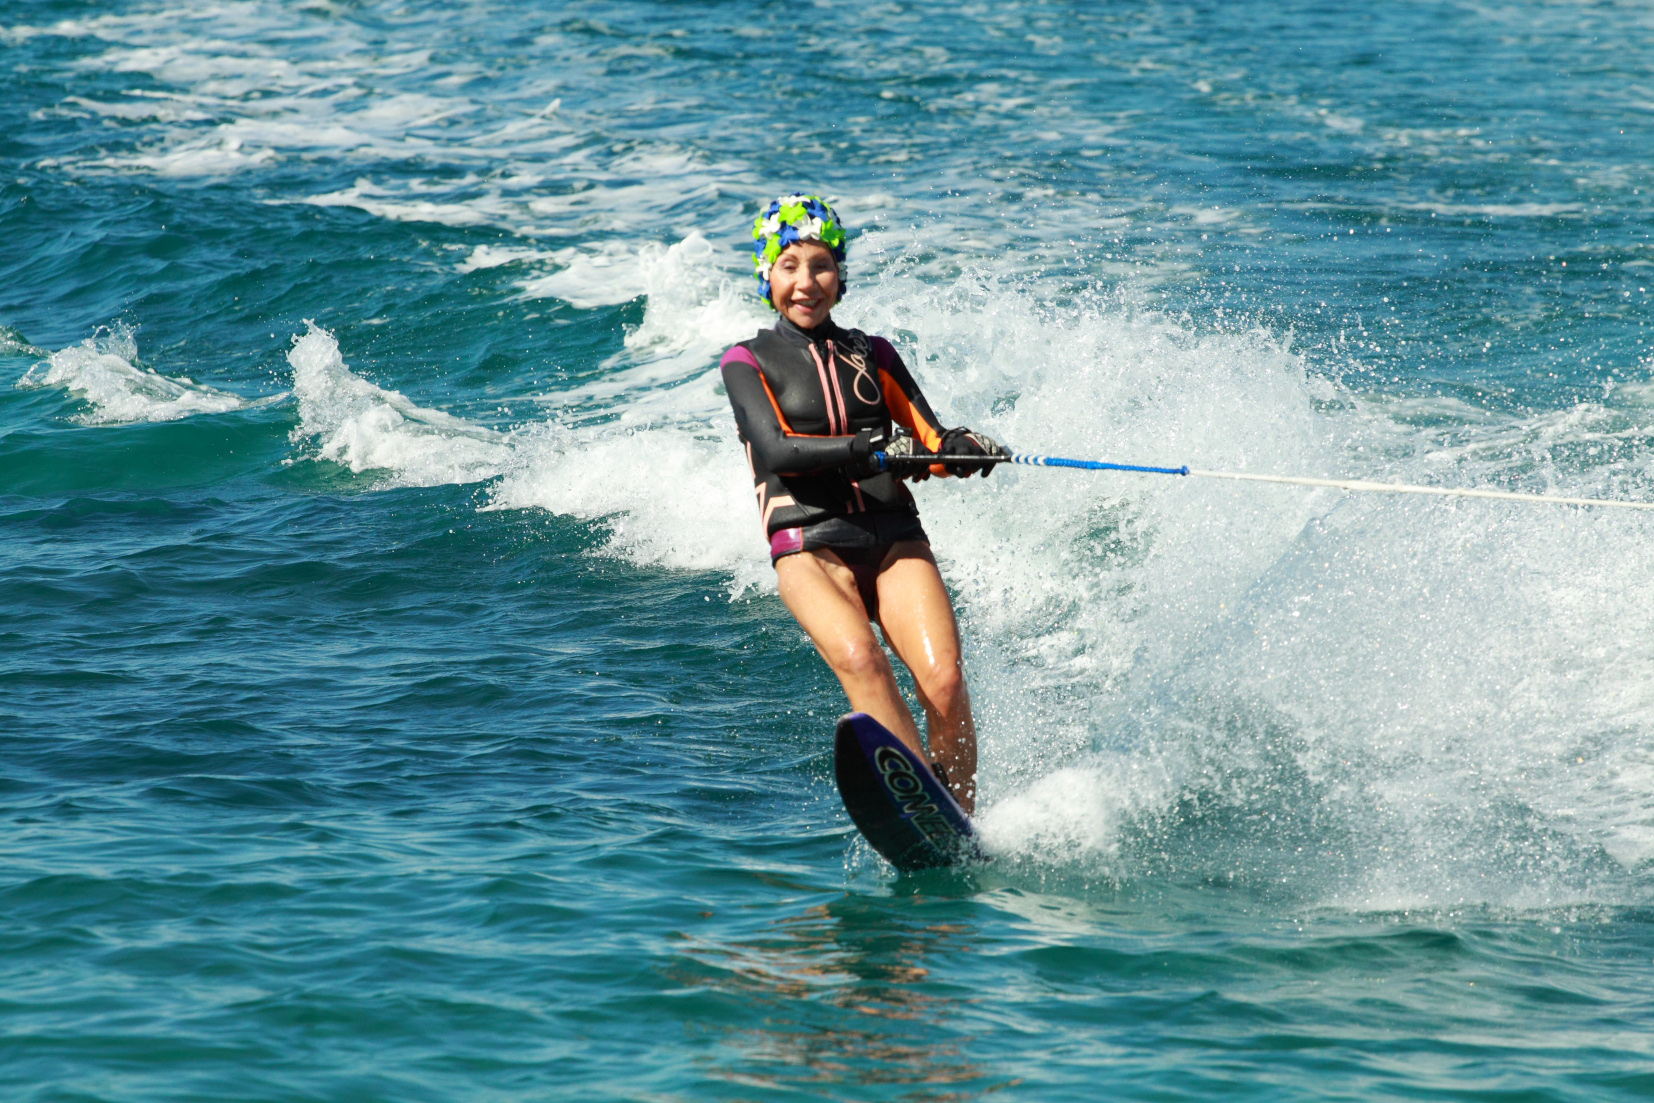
(1438, 491)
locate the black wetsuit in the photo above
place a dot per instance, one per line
(800, 397)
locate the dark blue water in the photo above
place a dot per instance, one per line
(394, 701)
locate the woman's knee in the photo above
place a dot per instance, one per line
(858, 659)
(943, 686)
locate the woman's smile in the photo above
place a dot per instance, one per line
(804, 283)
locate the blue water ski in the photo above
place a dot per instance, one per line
(896, 801)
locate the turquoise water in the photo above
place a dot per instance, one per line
(396, 705)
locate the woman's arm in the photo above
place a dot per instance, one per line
(765, 428)
(907, 405)
(902, 397)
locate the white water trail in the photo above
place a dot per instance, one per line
(645, 453)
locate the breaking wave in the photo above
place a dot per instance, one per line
(102, 371)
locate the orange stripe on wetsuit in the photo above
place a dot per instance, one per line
(904, 412)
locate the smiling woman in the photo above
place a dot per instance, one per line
(397, 707)
(815, 405)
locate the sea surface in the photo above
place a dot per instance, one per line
(394, 699)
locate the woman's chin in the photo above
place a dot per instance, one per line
(806, 319)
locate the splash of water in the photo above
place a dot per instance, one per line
(365, 427)
(102, 372)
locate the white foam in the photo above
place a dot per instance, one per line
(366, 196)
(602, 457)
(1499, 210)
(1347, 124)
(670, 496)
(253, 85)
(219, 155)
(697, 307)
(248, 87)
(101, 371)
(1077, 812)
(604, 275)
(495, 256)
(1467, 677)
(648, 449)
(13, 343)
(141, 106)
(367, 428)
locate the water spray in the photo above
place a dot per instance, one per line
(899, 463)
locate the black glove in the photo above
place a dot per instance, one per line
(862, 464)
(964, 442)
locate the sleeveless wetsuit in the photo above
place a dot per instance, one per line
(800, 397)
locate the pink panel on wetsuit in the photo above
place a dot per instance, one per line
(785, 542)
(738, 355)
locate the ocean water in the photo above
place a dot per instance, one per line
(394, 700)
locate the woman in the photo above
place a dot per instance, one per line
(815, 404)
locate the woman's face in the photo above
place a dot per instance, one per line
(804, 283)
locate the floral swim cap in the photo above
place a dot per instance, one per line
(794, 218)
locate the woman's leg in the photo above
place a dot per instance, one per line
(820, 592)
(917, 619)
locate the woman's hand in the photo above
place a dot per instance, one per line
(966, 442)
(906, 447)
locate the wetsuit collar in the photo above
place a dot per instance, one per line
(822, 332)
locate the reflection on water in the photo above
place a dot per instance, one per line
(850, 992)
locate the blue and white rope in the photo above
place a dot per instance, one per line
(1094, 465)
(1358, 485)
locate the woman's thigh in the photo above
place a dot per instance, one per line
(820, 592)
(916, 613)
